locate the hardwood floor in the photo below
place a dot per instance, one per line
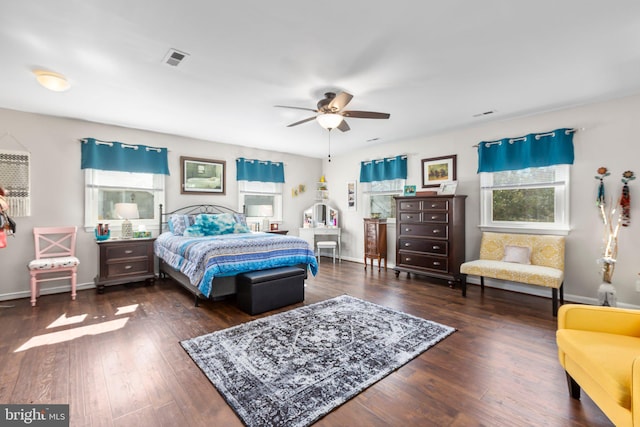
(116, 359)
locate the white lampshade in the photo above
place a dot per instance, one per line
(52, 81)
(329, 120)
(127, 211)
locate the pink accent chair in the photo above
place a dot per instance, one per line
(55, 253)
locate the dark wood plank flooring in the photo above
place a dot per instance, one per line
(116, 359)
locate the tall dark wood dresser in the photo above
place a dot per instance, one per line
(430, 236)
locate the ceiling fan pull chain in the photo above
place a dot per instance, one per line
(329, 145)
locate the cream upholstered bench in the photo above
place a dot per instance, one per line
(525, 258)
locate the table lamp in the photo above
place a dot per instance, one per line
(127, 211)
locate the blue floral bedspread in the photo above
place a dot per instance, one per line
(204, 258)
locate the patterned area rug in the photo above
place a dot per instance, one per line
(292, 368)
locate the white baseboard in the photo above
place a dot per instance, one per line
(47, 291)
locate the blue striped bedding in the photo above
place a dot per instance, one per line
(204, 258)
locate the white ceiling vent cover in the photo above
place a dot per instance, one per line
(175, 57)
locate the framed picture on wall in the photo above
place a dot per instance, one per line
(352, 196)
(437, 170)
(202, 176)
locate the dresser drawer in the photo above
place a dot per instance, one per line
(423, 261)
(128, 268)
(126, 250)
(413, 205)
(435, 217)
(435, 204)
(410, 217)
(425, 230)
(438, 247)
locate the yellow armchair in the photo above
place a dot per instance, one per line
(599, 348)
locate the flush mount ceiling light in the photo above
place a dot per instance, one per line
(329, 120)
(52, 81)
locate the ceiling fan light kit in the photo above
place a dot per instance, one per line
(52, 81)
(329, 120)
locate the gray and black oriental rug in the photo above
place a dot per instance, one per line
(292, 368)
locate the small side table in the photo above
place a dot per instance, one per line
(125, 261)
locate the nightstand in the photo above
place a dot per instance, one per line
(124, 261)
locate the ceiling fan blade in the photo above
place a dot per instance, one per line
(340, 101)
(343, 126)
(302, 121)
(296, 108)
(366, 114)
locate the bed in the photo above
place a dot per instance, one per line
(204, 248)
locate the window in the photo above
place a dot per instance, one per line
(533, 198)
(103, 189)
(378, 197)
(260, 201)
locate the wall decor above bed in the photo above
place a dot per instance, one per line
(202, 176)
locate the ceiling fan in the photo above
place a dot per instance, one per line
(331, 113)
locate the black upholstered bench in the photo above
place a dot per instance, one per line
(264, 290)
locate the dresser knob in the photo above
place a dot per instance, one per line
(408, 259)
(128, 251)
(436, 231)
(434, 217)
(409, 216)
(407, 229)
(406, 245)
(436, 263)
(433, 206)
(128, 267)
(436, 248)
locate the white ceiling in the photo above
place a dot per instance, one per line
(431, 64)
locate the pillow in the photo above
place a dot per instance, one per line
(215, 224)
(517, 254)
(179, 223)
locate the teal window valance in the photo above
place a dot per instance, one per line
(530, 151)
(259, 170)
(384, 169)
(117, 156)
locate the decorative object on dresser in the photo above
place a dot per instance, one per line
(430, 236)
(375, 241)
(124, 261)
(292, 368)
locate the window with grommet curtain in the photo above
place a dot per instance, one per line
(117, 172)
(260, 190)
(524, 181)
(381, 180)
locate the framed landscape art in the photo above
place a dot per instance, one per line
(437, 170)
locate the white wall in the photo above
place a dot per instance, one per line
(609, 138)
(57, 185)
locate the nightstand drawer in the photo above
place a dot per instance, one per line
(129, 268)
(129, 250)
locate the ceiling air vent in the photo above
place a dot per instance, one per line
(175, 57)
(486, 113)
